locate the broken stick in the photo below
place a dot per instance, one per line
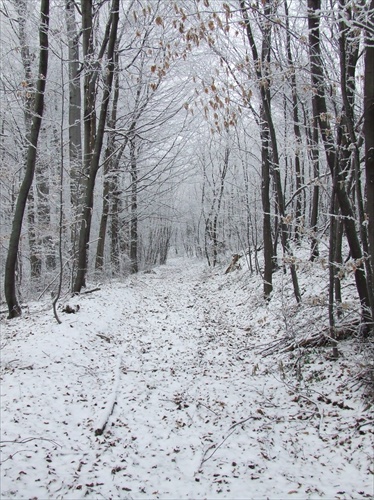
(103, 418)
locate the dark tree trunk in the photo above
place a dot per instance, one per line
(77, 181)
(115, 229)
(349, 54)
(134, 266)
(369, 135)
(94, 161)
(10, 266)
(297, 131)
(264, 84)
(75, 105)
(314, 139)
(109, 162)
(331, 153)
(32, 209)
(265, 195)
(35, 260)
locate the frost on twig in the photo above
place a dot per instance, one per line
(103, 418)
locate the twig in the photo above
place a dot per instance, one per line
(108, 410)
(319, 411)
(26, 440)
(15, 453)
(366, 423)
(207, 407)
(88, 291)
(230, 432)
(104, 337)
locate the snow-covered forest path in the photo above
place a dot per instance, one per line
(199, 412)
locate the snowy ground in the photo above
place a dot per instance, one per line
(200, 412)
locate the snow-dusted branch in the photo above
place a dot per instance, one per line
(103, 418)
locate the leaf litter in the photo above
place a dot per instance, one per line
(172, 366)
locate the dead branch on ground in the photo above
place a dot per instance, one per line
(108, 410)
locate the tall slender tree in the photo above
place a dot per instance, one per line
(262, 73)
(10, 266)
(319, 84)
(94, 138)
(369, 131)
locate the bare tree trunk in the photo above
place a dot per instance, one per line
(165, 236)
(134, 266)
(75, 106)
(10, 266)
(109, 162)
(94, 161)
(75, 126)
(265, 194)
(211, 222)
(264, 85)
(115, 230)
(349, 54)
(338, 262)
(313, 141)
(369, 135)
(248, 243)
(297, 131)
(35, 260)
(29, 91)
(331, 153)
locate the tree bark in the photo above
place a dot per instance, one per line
(318, 83)
(75, 105)
(297, 130)
(349, 54)
(265, 195)
(314, 140)
(10, 266)
(94, 162)
(369, 134)
(109, 163)
(264, 85)
(134, 266)
(29, 96)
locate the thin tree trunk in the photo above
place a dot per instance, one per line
(297, 131)
(115, 229)
(94, 163)
(265, 195)
(349, 54)
(22, 8)
(314, 139)
(369, 135)
(338, 261)
(330, 150)
(10, 266)
(265, 99)
(223, 173)
(75, 106)
(77, 181)
(108, 187)
(134, 266)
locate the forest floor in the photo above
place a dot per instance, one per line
(200, 411)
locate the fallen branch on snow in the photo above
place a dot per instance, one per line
(317, 339)
(90, 291)
(108, 410)
(26, 440)
(231, 430)
(87, 291)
